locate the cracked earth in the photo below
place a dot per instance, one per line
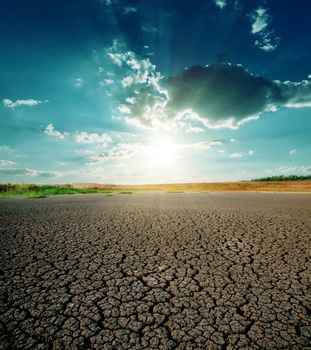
(156, 271)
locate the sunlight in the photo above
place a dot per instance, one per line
(161, 151)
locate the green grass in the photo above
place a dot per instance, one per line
(37, 191)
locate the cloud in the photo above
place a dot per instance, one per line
(241, 154)
(129, 9)
(236, 155)
(28, 172)
(137, 75)
(220, 3)
(84, 137)
(195, 129)
(6, 162)
(128, 150)
(10, 104)
(217, 96)
(50, 131)
(109, 2)
(292, 151)
(135, 174)
(120, 151)
(293, 169)
(150, 29)
(267, 41)
(260, 18)
(202, 145)
(140, 71)
(79, 82)
(107, 81)
(6, 149)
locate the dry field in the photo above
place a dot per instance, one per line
(247, 186)
(156, 271)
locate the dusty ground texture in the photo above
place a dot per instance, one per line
(156, 271)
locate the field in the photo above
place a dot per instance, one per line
(37, 191)
(243, 186)
(41, 191)
(156, 270)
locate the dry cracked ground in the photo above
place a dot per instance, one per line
(156, 271)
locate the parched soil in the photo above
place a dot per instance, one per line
(156, 271)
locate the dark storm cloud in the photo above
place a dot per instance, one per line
(220, 95)
(221, 91)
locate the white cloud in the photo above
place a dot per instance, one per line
(50, 131)
(84, 137)
(108, 81)
(6, 162)
(139, 74)
(241, 154)
(29, 172)
(128, 150)
(202, 145)
(236, 155)
(292, 151)
(220, 3)
(266, 43)
(195, 129)
(120, 151)
(79, 82)
(140, 71)
(129, 9)
(109, 2)
(124, 109)
(261, 20)
(293, 169)
(187, 127)
(6, 149)
(127, 81)
(150, 29)
(298, 105)
(29, 102)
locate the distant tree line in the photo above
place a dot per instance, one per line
(284, 178)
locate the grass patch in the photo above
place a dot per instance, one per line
(39, 191)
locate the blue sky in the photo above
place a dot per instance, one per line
(117, 91)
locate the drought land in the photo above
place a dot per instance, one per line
(156, 271)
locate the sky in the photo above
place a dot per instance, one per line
(157, 91)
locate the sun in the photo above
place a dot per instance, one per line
(161, 151)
